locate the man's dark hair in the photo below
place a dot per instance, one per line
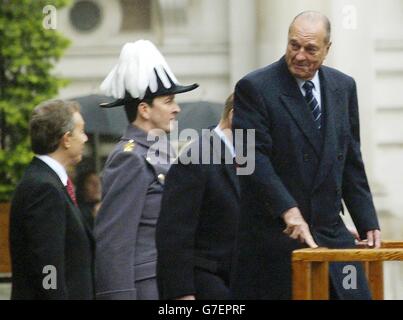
(50, 120)
(229, 105)
(131, 107)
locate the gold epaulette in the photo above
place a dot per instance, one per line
(129, 146)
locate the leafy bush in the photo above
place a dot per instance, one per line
(28, 53)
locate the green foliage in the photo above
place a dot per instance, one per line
(28, 53)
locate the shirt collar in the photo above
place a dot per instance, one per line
(224, 138)
(315, 80)
(55, 166)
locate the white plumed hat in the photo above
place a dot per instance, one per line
(140, 73)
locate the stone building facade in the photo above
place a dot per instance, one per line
(215, 42)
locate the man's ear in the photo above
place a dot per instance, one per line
(328, 47)
(231, 116)
(65, 140)
(143, 110)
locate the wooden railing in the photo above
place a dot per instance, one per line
(311, 268)
(5, 266)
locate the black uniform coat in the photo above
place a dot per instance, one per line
(298, 165)
(47, 229)
(198, 222)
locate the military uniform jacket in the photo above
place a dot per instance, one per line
(132, 184)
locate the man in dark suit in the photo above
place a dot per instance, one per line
(51, 246)
(308, 160)
(198, 222)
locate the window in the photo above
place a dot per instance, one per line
(85, 15)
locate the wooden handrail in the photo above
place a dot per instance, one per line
(392, 244)
(333, 255)
(5, 265)
(311, 267)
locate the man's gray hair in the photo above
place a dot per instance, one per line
(315, 16)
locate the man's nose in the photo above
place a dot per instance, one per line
(176, 108)
(300, 54)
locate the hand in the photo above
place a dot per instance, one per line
(188, 297)
(374, 238)
(354, 232)
(297, 228)
(356, 235)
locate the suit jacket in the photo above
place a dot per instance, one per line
(132, 184)
(199, 218)
(46, 228)
(298, 165)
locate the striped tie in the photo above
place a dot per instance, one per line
(313, 103)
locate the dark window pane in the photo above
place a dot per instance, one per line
(85, 15)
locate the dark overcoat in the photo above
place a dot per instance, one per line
(298, 165)
(47, 229)
(197, 227)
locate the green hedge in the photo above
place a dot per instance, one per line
(28, 53)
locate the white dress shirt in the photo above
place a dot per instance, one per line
(224, 138)
(56, 167)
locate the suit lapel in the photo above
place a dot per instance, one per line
(330, 101)
(294, 102)
(76, 212)
(220, 151)
(56, 180)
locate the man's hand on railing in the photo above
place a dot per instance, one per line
(374, 238)
(356, 235)
(297, 228)
(354, 232)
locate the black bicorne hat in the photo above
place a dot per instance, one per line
(141, 73)
(161, 91)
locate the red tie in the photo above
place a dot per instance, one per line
(70, 191)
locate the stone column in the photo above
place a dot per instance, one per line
(173, 14)
(208, 22)
(353, 52)
(274, 18)
(242, 38)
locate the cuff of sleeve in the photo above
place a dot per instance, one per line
(276, 211)
(363, 232)
(177, 278)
